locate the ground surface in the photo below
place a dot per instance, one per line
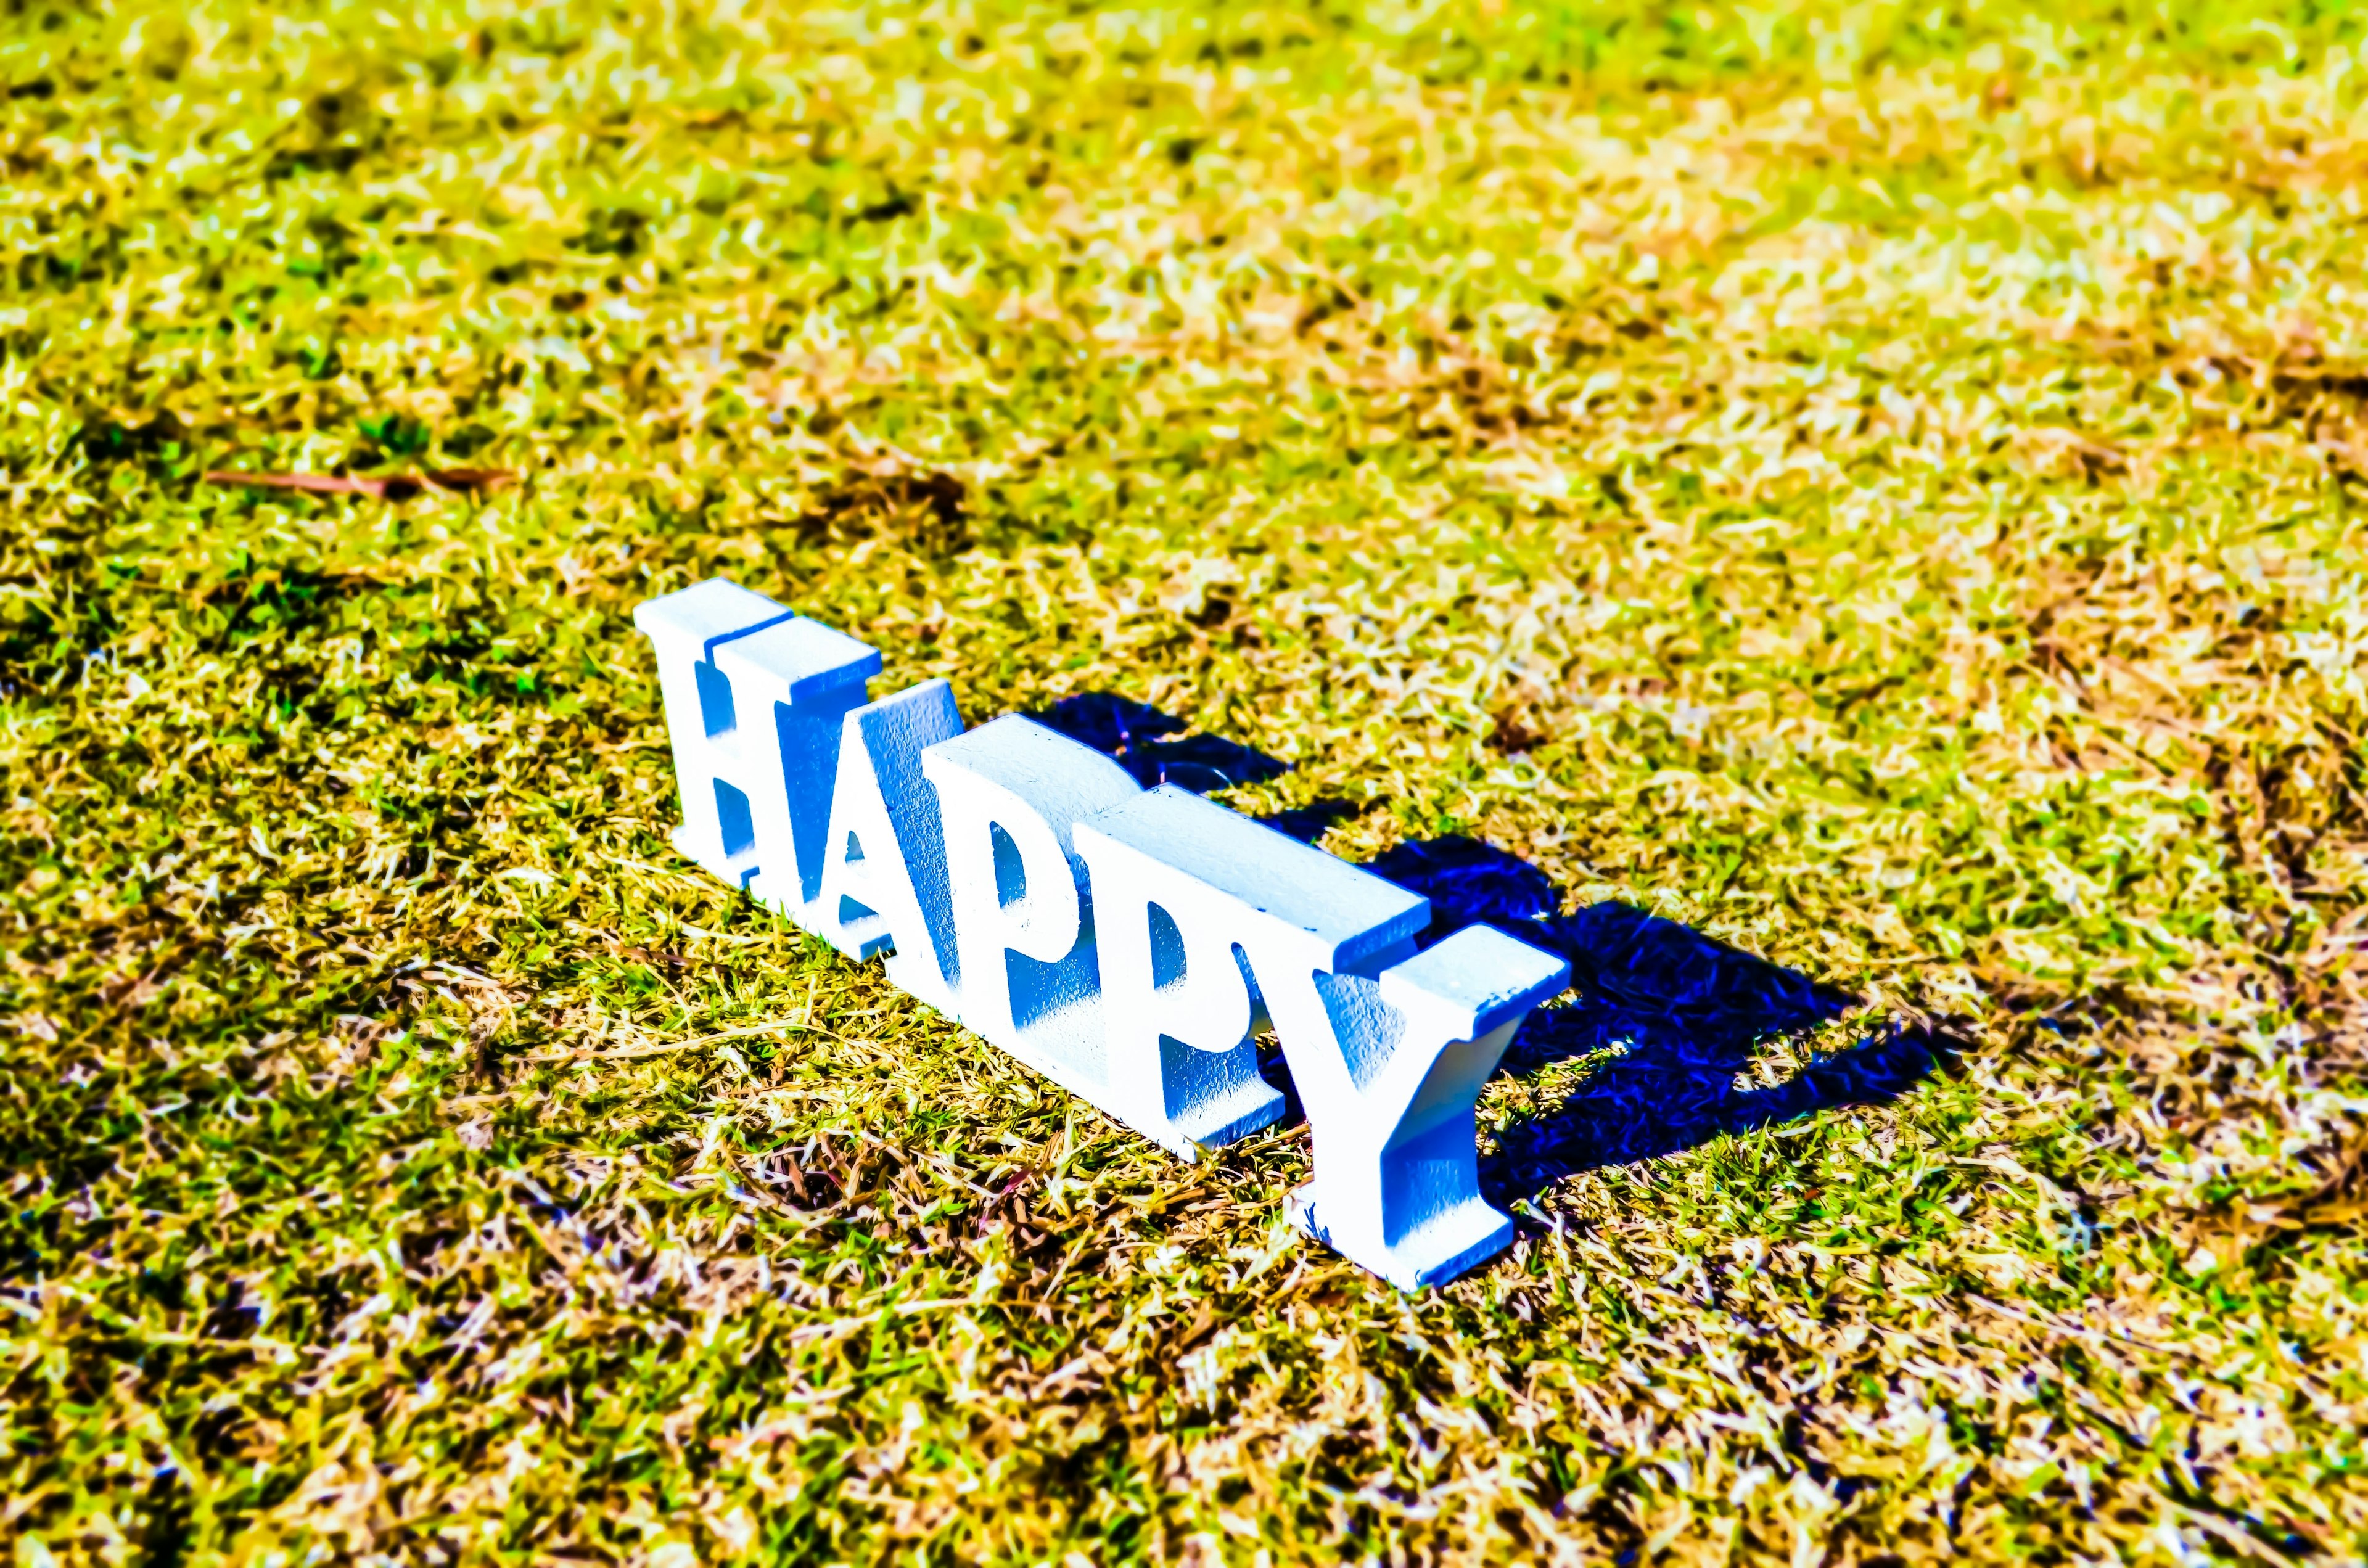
(1872, 488)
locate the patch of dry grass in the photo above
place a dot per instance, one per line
(1878, 488)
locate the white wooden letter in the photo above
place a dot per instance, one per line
(1031, 978)
(1126, 944)
(1388, 1070)
(1388, 1047)
(883, 882)
(755, 697)
(1185, 893)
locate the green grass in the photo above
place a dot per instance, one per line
(1878, 485)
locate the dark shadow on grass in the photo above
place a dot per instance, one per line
(1152, 745)
(1154, 748)
(1470, 883)
(1311, 821)
(1676, 1015)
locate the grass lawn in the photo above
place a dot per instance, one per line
(1845, 519)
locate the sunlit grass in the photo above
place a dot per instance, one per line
(1875, 485)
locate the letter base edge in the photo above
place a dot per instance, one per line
(1211, 1125)
(1443, 1249)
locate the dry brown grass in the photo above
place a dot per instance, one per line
(1877, 489)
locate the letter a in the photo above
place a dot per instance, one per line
(884, 882)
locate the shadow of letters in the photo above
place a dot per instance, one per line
(1061, 890)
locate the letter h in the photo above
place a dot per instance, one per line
(756, 701)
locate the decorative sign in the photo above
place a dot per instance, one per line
(1126, 943)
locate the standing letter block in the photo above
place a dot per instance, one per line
(755, 698)
(883, 882)
(1194, 900)
(1397, 1183)
(1126, 944)
(1007, 794)
(1388, 1047)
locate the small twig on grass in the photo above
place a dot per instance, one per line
(2228, 1533)
(848, 1325)
(1070, 1256)
(2080, 1330)
(633, 1052)
(385, 487)
(904, 1154)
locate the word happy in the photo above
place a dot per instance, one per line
(1129, 944)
